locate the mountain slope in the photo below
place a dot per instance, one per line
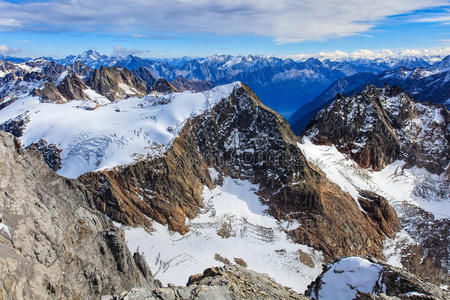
(383, 141)
(245, 141)
(56, 245)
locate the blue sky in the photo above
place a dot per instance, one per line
(199, 28)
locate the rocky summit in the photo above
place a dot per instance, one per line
(381, 125)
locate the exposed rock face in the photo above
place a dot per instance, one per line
(51, 153)
(146, 76)
(57, 246)
(163, 86)
(241, 138)
(387, 282)
(183, 84)
(379, 126)
(17, 125)
(166, 189)
(71, 87)
(115, 83)
(49, 93)
(80, 69)
(379, 210)
(224, 283)
(430, 257)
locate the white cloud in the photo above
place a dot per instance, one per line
(373, 54)
(121, 51)
(6, 50)
(436, 18)
(284, 20)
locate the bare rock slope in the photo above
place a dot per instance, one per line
(53, 245)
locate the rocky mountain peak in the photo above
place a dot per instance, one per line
(115, 83)
(163, 86)
(144, 74)
(243, 139)
(381, 125)
(183, 84)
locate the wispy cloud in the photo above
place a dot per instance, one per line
(121, 51)
(443, 17)
(6, 50)
(284, 20)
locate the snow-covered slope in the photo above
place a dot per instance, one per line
(415, 186)
(420, 198)
(360, 278)
(232, 224)
(93, 138)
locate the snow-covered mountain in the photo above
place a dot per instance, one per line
(429, 84)
(216, 168)
(283, 84)
(201, 179)
(383, 141)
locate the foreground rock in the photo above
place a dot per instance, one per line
(53, 245)
(370, 279)
(220, 283)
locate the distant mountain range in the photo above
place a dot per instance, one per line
(426, 84)
(284, 84)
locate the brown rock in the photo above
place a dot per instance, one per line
(379, 211)
(107, 80)
(183, 84)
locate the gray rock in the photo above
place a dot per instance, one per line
(59, 247)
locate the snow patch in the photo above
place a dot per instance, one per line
(232, 224)
(393, 182)
(348, 276)
(96, 137)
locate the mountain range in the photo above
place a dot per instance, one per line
(284, 84)
(161, 179)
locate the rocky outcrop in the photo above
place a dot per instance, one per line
(163, 86)
(378, 209)
(241, 138)
(72, 86)
(183, 84)
(115, 83)
(381, 125)
(80, 68)
(429, 258)
(50, 152)
(379, 281)
(146, 76)
(49, 93)
(56, 245)
(228, 282)
(17, 125)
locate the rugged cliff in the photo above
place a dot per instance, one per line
(381, 125)
(53, 244)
